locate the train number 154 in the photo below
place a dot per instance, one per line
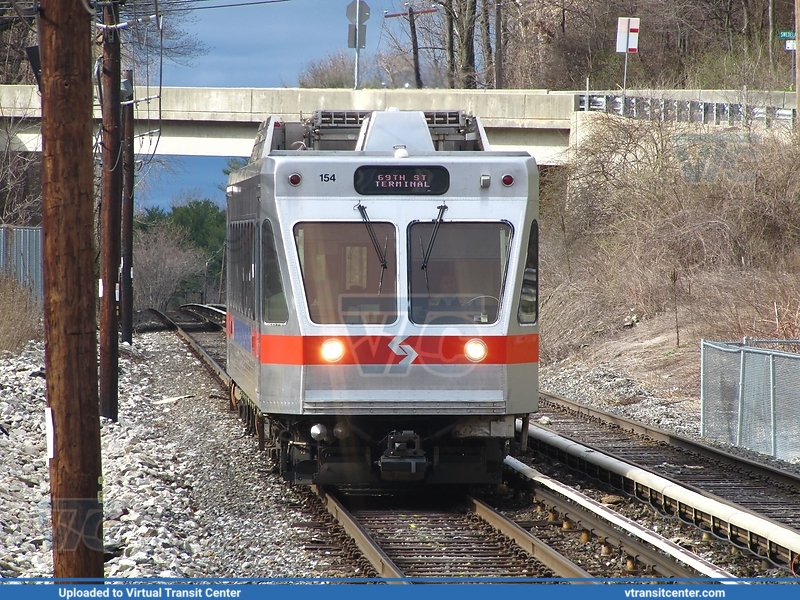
(326, 177)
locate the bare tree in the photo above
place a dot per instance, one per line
(164, 260)
(146, 43)
(338, 71)
(698, 43)
(332, 71)
(465, 20)
(647, 217)
(486, 43)
(16, 35)
(20, 179)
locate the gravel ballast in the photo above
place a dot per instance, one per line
(185, 492)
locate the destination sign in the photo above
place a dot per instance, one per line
(401, 181)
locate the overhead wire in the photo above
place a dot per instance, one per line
(255, 3)
(145, 157)
(154, 146)
(22, 17)
(168, 6)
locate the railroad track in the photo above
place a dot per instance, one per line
(633, 548)
(411, 537)
(202, 327)
(754, 506)
(467, 537)
(523, 554)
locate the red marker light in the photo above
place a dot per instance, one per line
(295, 179)
(508, 180)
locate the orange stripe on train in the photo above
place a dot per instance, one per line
(386, 349)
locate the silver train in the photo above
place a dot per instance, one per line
(383, 297)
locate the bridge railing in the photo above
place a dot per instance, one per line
(731, 114)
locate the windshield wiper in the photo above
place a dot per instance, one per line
(438, 222)
(427, 283)
(381, 253)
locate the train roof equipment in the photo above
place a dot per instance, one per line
(425, 131)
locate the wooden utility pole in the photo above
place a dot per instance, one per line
(410, 14)
(111, 197)
(126, 287)
(498, 45)
(414, 47)
(450, 44)
(72, 418)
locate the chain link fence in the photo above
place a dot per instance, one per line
(750, 395)
(21, 256)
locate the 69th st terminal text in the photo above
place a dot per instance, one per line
(143, 592)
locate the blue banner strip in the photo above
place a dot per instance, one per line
(433, 589)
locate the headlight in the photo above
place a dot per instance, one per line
(332, 350)
(475, 350)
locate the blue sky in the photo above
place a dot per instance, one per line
(263, 46)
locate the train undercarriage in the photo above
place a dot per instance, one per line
(381, 450)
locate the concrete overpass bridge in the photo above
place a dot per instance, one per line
(224, 121)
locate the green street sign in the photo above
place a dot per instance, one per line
(786, 35)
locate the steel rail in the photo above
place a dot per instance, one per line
(726, 520)
(219, 315)
(382, 564)
(599, 520)
(387, 569)
(559, 564)
(672, 439)
(195, 347)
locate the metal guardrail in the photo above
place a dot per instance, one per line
(732, 114)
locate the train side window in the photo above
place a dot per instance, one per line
(273, 300)
(343, 278)
(241, 267)
(529, 292)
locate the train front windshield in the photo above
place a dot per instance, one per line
(462, 280)
(347, 277)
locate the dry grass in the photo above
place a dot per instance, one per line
(648, 220)
(20, 315)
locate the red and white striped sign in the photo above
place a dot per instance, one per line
(628, 34)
